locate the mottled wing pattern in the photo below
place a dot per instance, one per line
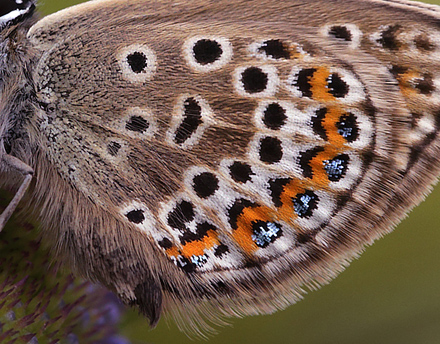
(237, 151)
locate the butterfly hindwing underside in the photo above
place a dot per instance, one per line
(221, 157)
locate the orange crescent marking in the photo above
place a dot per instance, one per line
(329, 124)
(319, 175)
(243, 233)
(295, 52)
(172, 251)
(198, 247)
(405, 83)
(290, 190)
(318, 83)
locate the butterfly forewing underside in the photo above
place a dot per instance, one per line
(218, 158)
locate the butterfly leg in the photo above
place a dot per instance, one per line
(13, 163)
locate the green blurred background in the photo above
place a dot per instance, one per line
(390, 295)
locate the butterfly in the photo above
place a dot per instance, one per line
(215, 159)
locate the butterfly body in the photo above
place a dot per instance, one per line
(218, 156)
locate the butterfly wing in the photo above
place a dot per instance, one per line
(219, 157)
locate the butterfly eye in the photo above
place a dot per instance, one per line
(137, 62)
(206, 54)
(12, 11)
(256, 81)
